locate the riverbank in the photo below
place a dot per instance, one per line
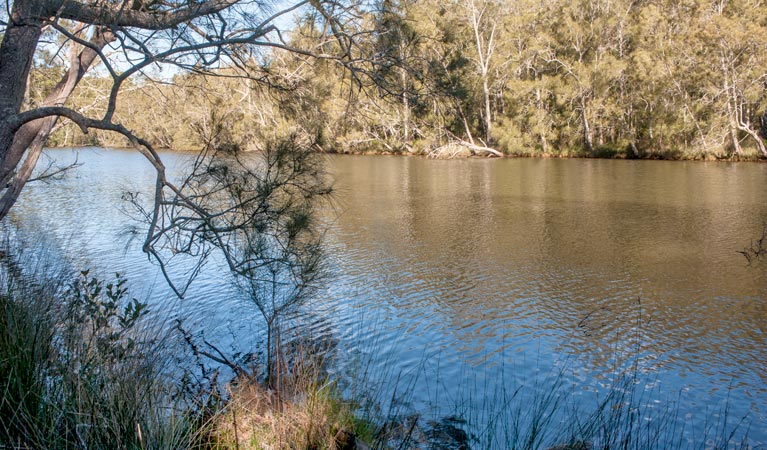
(606, 153)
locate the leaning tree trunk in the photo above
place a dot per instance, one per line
(755, 137)
(28, 141)
(17, 51)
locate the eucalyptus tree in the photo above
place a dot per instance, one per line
(397, 41)
(590, 58)
(739, 51)
(483, 21)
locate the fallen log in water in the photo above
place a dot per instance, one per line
(462, 149)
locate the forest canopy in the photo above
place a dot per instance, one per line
(664, 79)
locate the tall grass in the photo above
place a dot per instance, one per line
(307, 412)
(85, 366)
(551, 415)
(551, 410)
(82, 366)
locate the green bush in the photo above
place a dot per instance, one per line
(83, 367)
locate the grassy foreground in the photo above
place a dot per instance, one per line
(83, 365)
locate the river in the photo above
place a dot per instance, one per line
(458, 282)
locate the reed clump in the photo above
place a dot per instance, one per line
(256, 417)
(82, 365)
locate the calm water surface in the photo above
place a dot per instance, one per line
(457, 279)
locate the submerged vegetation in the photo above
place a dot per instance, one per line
(594, 78)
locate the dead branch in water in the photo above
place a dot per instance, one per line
(461, 148)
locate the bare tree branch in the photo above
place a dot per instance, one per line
(52, 171)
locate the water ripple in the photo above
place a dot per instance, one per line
(453, 275)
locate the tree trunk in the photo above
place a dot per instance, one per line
(17, 51)
(734, 141)
(31, 137)
(405, 107)
(541, 118)
(732, 119)
(588, 138)
(14, 188)
(488, 119)
(733, 128)
(485, 46)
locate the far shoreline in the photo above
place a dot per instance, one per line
(751, 158)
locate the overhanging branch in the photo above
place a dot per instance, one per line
(115, 15)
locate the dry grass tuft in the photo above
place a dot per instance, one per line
(303, 411)
(259, 418)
